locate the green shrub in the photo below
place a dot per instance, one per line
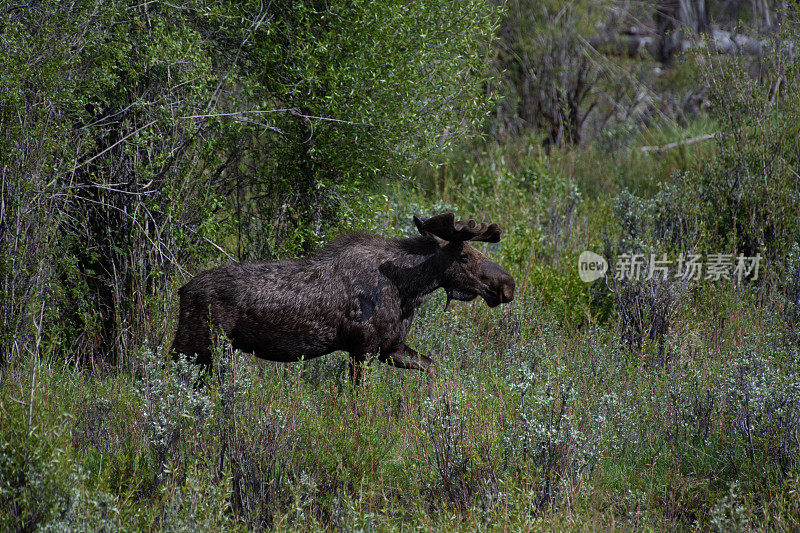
(35, 471)
(750, 191)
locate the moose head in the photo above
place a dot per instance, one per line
(466, 273)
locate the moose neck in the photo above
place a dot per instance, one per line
(416, 271)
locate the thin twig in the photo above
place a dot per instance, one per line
(134, 132)
(36, 363)
(212, 243)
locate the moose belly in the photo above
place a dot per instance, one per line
(276, 343)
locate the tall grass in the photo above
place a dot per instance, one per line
(535, 425)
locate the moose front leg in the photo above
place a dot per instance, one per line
(405, 357)
(356, 361)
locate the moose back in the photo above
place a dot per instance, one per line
(357, 294)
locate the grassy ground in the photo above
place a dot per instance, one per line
(559, 411)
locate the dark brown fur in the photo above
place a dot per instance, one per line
(357, 294)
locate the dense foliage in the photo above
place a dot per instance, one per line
(139, 140)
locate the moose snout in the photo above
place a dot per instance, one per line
(500, 283)
(508, 289)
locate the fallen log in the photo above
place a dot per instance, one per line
(676, 144)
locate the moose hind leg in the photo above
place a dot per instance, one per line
(197, 352)
(192, 339)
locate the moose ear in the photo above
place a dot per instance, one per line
(418, 222)
(441, 226)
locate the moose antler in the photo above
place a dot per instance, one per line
(491, 234)
(445, 227)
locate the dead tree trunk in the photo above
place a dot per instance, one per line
(676, 18)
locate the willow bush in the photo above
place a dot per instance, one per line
(141, 140)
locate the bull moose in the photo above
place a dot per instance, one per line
(357, 294)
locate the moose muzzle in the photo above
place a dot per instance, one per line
(500, 284)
